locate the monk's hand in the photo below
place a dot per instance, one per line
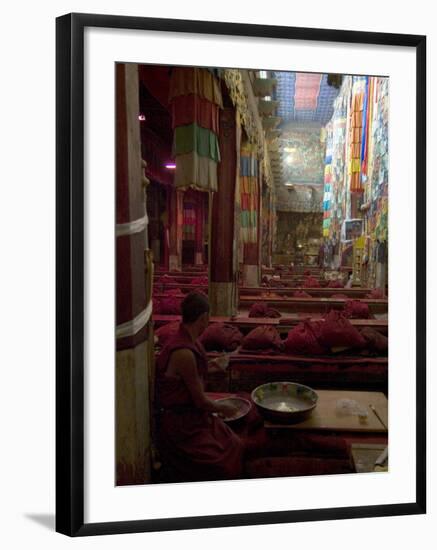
(226, 410)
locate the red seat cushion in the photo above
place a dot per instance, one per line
(337, 331)
(302, 339)
(335, 284)
(262, 338)
(376, 294)
(221, 337)
(171, 305)
(201, 281)
(375, 341)
(261, 309)
(355, 309)
(311, 282)
(165, 332)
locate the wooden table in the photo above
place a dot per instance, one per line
(325, 417)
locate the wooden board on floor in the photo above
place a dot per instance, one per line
(364, 456)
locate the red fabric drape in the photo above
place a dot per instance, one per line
(189, 109)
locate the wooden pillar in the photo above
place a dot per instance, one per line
(251, 257)
(222, 246)
(175, 223)
(132, 331)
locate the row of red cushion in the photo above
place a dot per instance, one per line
(168, 279)
(307, 338)
(171, 305)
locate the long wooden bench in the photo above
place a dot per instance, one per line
(269, 293)
(190, 274)
(325, 292)
(282, 324)
(246, 371)
(310, 305)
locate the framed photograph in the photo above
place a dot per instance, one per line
(215, 365)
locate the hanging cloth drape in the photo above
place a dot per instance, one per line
(195, 100)
(193, 138)
(188, 231)
(200, 215)
(355, 135)
(248, 195)
(195, 171)
(328, 180)
(200, 82)
(187, 109)
(367, 130)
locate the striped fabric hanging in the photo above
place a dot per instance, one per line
(248, 195)
(355, 135)
(189, 222)
(328, 181)
(195, 100)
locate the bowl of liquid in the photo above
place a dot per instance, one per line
(286, 402)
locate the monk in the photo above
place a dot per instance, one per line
(190, 437)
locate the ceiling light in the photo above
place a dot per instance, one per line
(142, 117)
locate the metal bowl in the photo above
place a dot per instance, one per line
(243, 406)
(286, 402)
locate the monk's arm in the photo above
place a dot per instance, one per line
(184, 363)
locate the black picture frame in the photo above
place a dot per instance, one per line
(70, 273)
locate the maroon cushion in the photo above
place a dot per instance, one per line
(171, 305)
(337, 331)
(221, 337)
(262, 338)
(166, 279)
(311, 282)
(335, 284)
(355, 309)
(302, 339)
(165, 332)
(174, 292)
(201, 281)
(375, 341)
(261, 309)
(376, 294)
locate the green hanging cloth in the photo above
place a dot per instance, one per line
(194, 138)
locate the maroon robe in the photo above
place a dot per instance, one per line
(196, 443)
